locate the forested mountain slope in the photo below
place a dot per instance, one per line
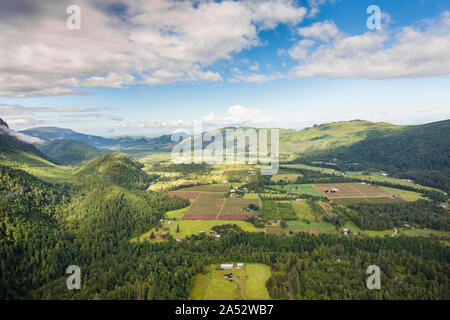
(69, 152)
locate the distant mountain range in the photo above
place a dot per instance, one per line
(420, 152)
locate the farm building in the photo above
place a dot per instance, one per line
(240, 264)
(226, 266)
(228, 276)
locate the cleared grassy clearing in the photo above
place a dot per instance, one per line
(251, 196)
(304, 226)
(286, 175)
(39, 167)
(176, 214)
(381, 234)
(307, 167)
(379, 178)
(191, 227)
(404, 194)
(424, 233)
(213, 286)
(255, 285)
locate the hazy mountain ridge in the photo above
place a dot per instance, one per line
(13, 148)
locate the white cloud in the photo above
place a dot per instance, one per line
(236, 116)
(325, 31)
(255, 77)
(20, 136)
(301, 49)
(147, 42)
(416, 52)
(315, 6)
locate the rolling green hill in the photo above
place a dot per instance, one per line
(70, 152)
(420, 153)
(117, 169)
(330, 136)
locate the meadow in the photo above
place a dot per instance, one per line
(212, 285)
(193, 227)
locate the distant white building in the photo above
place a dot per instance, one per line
(226, 266)
(240, 265)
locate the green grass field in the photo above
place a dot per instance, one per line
(352, 201)
(307, 167)
(255, 285)
(424, 233)
(305, 212)
(377, 177)
(191, 227)
(41, 168)
(212, 285)
(250, 196)
(381, 234)
(404, 194)
(313, 226)
(299, 189)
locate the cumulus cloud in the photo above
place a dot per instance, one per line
(127, 42)
(236, 116)
(324, 31)
(413, 51)
(300, 50)
(315, 5)
(255, 77)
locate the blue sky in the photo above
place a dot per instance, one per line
(312, 62)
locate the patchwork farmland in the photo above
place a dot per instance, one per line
(207, 206)
(210, 203)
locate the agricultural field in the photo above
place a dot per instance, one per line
(308, 189)
(351, 190)
(269, 210)
(286, 210)
(185, 194)
(252, 280)
(207, 206)
(233, 209)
